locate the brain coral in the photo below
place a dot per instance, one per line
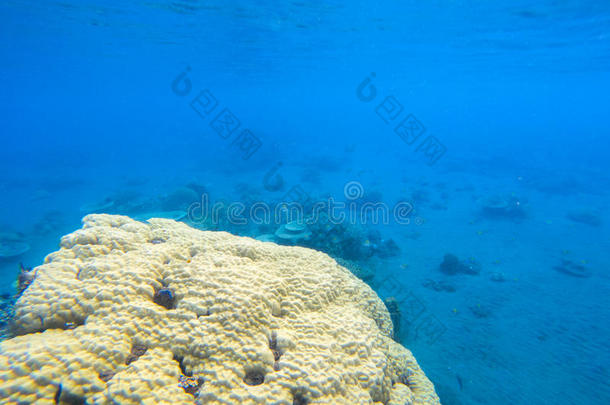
(125, 312)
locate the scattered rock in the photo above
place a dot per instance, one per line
(503, 206)
(438, 285)
(480, 311)
(420, 197)
(50, 222)
(585, 216)
(439, 206)
(179, 199)
(105, 205)
(12, 244)
(273, 181)
(452, 265)
(378, 246)
(387, 248)
(12, 248)
(570, 268)
(413, 235)
(199, 189)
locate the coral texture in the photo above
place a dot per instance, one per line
(128, 312)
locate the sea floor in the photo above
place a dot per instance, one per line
(524, 330)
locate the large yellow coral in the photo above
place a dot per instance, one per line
(251, 322)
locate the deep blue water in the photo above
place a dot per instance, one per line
(513, 95)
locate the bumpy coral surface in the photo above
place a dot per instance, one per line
(129, 312)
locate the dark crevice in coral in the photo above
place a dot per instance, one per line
(52, 324)
(106, 375)
(191, 385)
(72, 399)
(180, 361)
(395, 315)
(57, 394)
(16, 329)
(376, 396)
(25, 278)
(74, 324)
(273, 340)
(165, 297)
(63, 396)
(404, 379)
(136, 352)
(254, 376)
(274, 349)
(299, 398)
(276, 355)
(207, 313)
(156, 241)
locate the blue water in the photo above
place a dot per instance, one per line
(488, 120)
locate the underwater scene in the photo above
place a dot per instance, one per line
(305, 202)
